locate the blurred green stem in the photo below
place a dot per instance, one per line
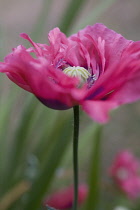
(38, 30)
(94, 173)
(40, 185)
(75, 154)
(14, 194)
(93, 16)
(71, 12)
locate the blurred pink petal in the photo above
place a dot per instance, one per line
(63, 199)
(103, 67)
(132, 187)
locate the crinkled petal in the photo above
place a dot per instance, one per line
(99, 110)
(129, 92)
(56, 37)
(115, 43)
(114, 79)
(125, 81)
(51, 86)
(89, 52)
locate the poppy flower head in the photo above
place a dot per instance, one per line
(96, 68)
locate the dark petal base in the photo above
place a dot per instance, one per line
(53, 104)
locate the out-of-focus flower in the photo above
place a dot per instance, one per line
(124, 166)
(125, 172)
(63, 199)
(95, 68)
(121, 208)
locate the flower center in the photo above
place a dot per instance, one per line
(77, 71)
(122, 174)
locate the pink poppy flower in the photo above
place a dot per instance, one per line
(125, 173)
(63, 199)
(96, 68)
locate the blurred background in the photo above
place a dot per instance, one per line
(29, 131)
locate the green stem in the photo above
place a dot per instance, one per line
(75, 155)
(93, 199)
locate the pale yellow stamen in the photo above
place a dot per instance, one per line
(77, 71)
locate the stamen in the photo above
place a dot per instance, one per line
(77, 71)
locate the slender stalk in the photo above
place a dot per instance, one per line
(93, 200)
(75, 154)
